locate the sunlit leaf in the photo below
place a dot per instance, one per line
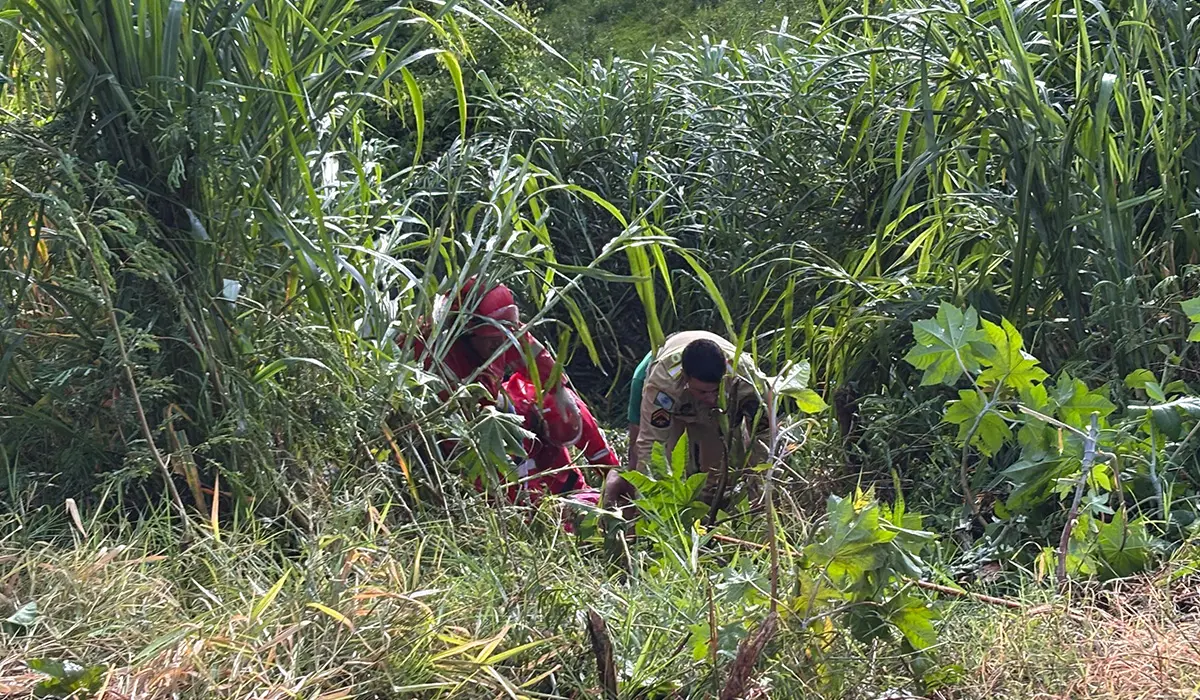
(947, 345)
(1191, 307)
(1076, 402)
(970, 412)
(1009, 363)
(914, 618)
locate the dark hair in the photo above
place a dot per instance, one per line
(703, 360)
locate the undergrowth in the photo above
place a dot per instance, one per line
(494, 604)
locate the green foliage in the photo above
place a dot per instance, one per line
(67, 679)
(947, 346)
(861, 557)
(1124, 548)
(223, 227)
(1045, 457)
(793, 384)
(667, 494)
(1191, 307)
(597, 29)
(978, 422)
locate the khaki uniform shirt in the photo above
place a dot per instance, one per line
(668, 408)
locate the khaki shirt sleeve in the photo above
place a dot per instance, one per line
(651, 429)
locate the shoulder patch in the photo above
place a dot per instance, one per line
(660, 418)
(664, 400)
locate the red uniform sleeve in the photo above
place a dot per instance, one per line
(592, 442)
(513, 359)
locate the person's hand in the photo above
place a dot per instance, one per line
(619, 494)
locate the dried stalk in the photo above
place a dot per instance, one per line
(603, 651)
(127, 366)
(747, 656)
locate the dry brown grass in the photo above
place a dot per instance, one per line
(1133, 640)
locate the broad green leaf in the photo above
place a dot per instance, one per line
(67, 679)
(915, 622)
(867, 623)
(638, 480)
(728, 638)
(1139, 378)
(693, 484)
(1035, 436)
(1009, 363)
(26, 616)
(1076, 402)
(1124, 547)
(1191, 307)
(679, 457)
(849, 543)
(1188, 404)
(810, 401)
(947, 345)
(499, 433)
(740, 582)
(793, 379)
(1167, 421)
(990, 433)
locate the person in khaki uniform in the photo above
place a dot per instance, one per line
(689, 386)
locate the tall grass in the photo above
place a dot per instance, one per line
(1035, 161)
(210, 252)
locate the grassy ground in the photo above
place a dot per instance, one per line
(489, 605)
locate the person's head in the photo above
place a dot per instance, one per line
(495, 316)
(704, 367)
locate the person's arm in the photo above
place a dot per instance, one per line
(752, 414)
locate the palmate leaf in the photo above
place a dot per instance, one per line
(1125, 548)
(1076, 402)
(1009, 364)
(914, 618)
(1035, 436)
(500, 433)
(947, 345)
(992, 431)
(1191, 307)
(850, 546)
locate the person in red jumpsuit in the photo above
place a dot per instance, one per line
(494, 325)
(554, 432)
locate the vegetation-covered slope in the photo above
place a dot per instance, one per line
(970, 229)
(627, 28)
